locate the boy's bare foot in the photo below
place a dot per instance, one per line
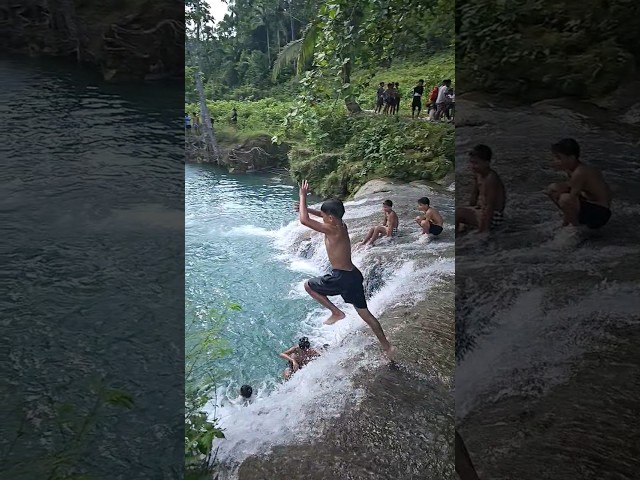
(390, 352)
(334, 318)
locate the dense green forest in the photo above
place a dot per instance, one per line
(536, 49)
(303, 74)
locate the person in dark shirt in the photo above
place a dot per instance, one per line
(396, 105)
(380, 97)
(418, 91)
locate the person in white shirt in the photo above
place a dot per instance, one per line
(441, 101)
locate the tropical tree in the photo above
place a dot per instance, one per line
(198, 16)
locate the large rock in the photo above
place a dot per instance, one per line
(381, 185)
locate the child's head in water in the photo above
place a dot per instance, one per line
(246, 391)
(387, 206)
(423, 204)
(332, 211)
(566, 153)
(304, 343)
(480, 159)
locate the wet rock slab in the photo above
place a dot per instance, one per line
(404, 426)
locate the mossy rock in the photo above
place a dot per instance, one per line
(314, 168)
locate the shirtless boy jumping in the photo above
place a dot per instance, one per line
(345, 279)
(431, 222)
(388, 228)
(586, 198)
(488, 199)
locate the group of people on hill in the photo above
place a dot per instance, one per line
(439, 104)
(584, 198)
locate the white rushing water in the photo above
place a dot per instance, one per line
(399, 272)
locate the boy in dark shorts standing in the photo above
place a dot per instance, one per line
(431, 221)
(586, 198)
(345, 279)
(416, 104)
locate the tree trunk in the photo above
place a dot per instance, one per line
(210, 138)
(67, 10)
(207, 124)
(268, 46)
(291, 19)
(350, 99)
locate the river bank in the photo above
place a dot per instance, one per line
(350, 395)
(140, 40)
(342, 155)
(544, 320)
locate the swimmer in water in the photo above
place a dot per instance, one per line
(298, 356)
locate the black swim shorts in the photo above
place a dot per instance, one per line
(347, 284)
(435, 229)
(593, 215)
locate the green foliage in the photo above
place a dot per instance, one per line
(204, 346)
(378, 147)
(571, 47)
(260, 46)
(266, 115)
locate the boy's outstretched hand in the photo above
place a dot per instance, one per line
(304, 188)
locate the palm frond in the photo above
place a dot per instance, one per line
(289, 54)
(309, 39)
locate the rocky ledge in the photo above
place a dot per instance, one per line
(137, 40)
(252, 155)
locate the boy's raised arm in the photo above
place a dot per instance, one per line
(312, 211)
(304, 212)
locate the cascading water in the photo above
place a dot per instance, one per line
(397, 274)
(540, 312)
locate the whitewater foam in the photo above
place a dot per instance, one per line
(402, 275)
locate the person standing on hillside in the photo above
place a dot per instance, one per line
(196, 123)
(389, 99)
(431, 106)
(442, 100)
(416, 104)
(379, 97)
(396, 105)
(234, 116)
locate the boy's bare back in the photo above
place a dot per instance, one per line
(433, 216)
(591, 184)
